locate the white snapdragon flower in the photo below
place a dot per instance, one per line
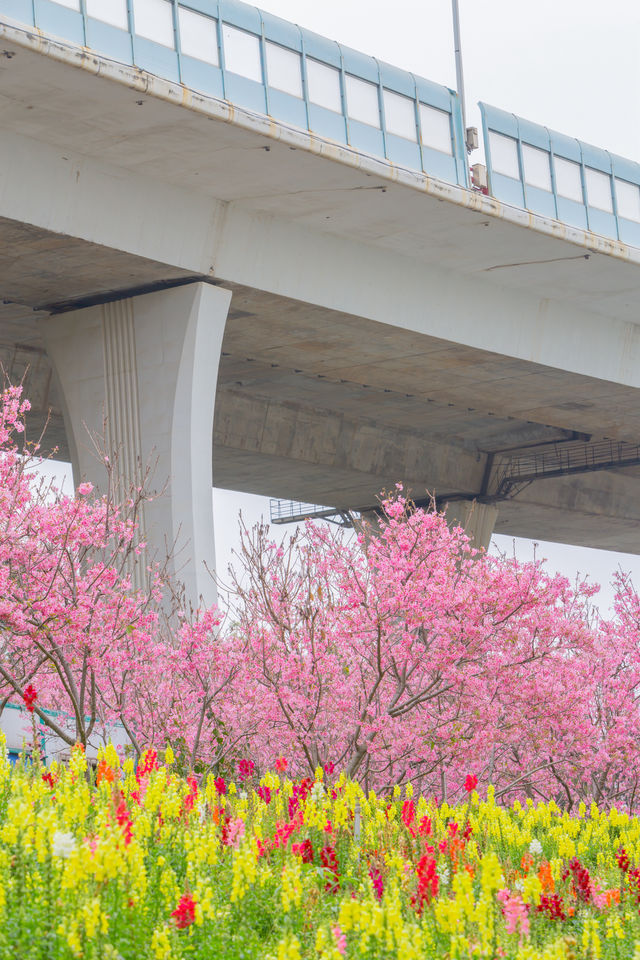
(317, 791)
(443, 873)
(519, 885)
(63, 844)
(535, 847)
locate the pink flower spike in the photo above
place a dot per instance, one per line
(340, 939)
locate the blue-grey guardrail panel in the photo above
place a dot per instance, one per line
(233, 51)
(560, 177)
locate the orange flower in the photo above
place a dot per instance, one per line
(546, 878)
(105, 773)
(456, 852)
(526, 862)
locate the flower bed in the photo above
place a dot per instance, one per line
(143, 863)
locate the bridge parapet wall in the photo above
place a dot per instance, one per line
(562, 178)
(235, 52)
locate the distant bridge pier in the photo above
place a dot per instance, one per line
(477, 520)
(146, 368)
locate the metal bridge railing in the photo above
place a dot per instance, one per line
(295, 511)
(562, 460)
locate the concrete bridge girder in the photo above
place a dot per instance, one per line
(552, 315)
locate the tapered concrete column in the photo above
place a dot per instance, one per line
(477, 520)
(147, 367)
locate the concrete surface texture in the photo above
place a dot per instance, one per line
(383, 325)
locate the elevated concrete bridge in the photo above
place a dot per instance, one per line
(302, 299)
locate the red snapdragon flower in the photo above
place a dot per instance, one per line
(284, 831)
(408, 812)
(281, 764)
(622, 859)
(245, 769)
(425, 827)
(329, 768)
(30, 696)
(192, 796)
(329, 861)
(471, 782)
(124, 822)
(185, 912)
(552, 906)
(147, 763)
(303, 850)
(220, 785)
(581, 879)
(376, 880)
(428, 882)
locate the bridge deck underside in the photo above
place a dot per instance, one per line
(326, 407)
(296, 415)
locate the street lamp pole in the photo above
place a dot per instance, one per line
(458, 52)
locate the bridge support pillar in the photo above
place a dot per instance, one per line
(142, 372)
(477, 520)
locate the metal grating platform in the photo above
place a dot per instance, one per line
(295, 511)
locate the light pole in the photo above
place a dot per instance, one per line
(458, 51)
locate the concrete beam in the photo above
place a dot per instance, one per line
(547, 316)
(349, 458)
(432, 299)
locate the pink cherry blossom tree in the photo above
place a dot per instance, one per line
(409, 655)
(191, 698)
(74, 631)
(402, 654)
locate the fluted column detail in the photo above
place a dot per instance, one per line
(121, 390)
(122, 413)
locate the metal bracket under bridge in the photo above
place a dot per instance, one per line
(505, 477)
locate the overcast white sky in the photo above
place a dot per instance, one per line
(573, 65)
